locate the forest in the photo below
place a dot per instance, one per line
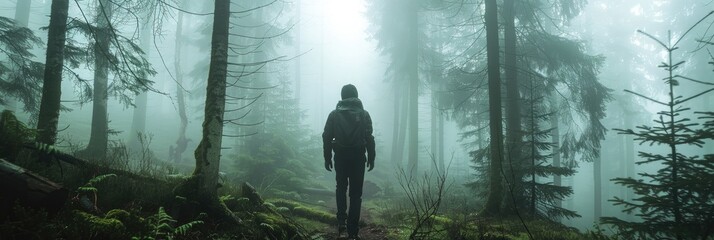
(491, 119)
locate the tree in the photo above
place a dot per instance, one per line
(493, 202)
(51, 88)
(181, 141)
(138, 122)
(203, 184)
(544, 196)
(396, 28)
(20, 76)
(99, 135)
(22, 16)
(677, 200)
(514, 138)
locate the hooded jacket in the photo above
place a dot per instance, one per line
(349, 126)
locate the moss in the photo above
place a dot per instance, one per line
(318, 215)
(441, 220)
(279, 202)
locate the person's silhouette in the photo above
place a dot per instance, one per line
(348, 132)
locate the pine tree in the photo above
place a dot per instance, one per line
(20, 75)
(52, 84)
(677, 201)
(538, 151)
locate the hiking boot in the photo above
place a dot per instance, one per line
(354, 237)
(341, 228)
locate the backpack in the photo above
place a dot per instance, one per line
(350, 127)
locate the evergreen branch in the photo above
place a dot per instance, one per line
(655, 39)
(693, 80)
(692, 27)
(648, 98)
(694, 96)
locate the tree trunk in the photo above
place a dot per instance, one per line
(28, 189)
(399, 127)
(493, 202)
(555, 137)
(514, 141)
(181, 141)
(413, 81)
(22, 13)
(138, 123)
(298, 50)
(99, 136)
(396, 129)
(433, 130)
(597, 178)
(440, 154)
(202, 187)
(208, 152)
(52, 86)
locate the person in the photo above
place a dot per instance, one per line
(348, 132)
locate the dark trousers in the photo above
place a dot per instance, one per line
(349, 168)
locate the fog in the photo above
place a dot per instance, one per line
(289, 59)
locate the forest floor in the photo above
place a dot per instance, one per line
(369, 232)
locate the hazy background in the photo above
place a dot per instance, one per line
(335, 49)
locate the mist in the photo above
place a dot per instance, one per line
(567, 79)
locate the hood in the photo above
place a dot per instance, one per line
(349, 104)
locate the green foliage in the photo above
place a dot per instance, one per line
(162, 226)
(14, 135)
(29, 223)
(127, 62)
(314, 214)
(271, 165)
(537, 154)
(88, 226)
(677, 200)
(132, 221)
(20, 76)
(89, 187)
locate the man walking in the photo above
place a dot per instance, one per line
(348, 132)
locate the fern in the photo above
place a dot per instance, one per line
(100, 178)
(162, 224)
(183, 229)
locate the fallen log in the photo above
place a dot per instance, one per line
(28, 189)
(48, 153)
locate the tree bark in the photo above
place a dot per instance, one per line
(493, 202)
(403, 110)
(28, 189)
(138, 123)
(22, 12)
(412, 72)
(54, 62)
(399, 127)
(555, 137)
(597, 178)
(202, 187)
(208, 152)
(514, 141)
(181, 141)
(99, 136)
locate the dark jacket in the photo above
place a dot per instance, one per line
(349, 119)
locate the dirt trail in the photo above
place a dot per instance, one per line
(369, 232)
